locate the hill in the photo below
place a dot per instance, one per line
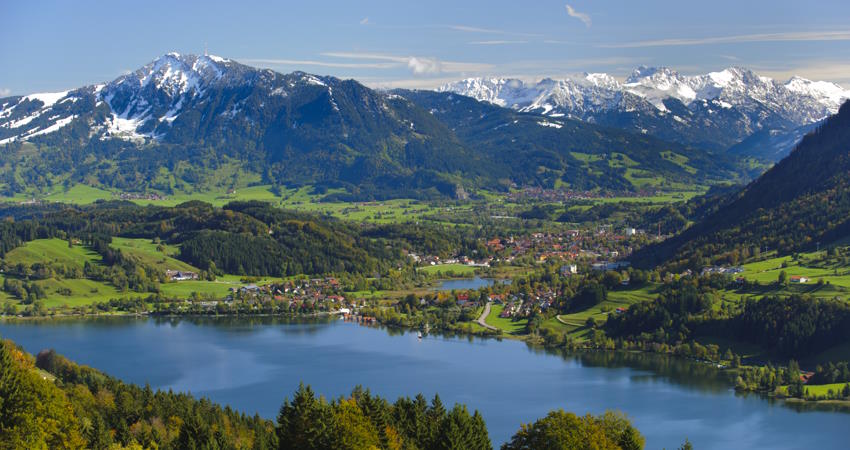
(194, 124)
(800, 203)
(559, 151)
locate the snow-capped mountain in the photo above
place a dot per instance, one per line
(146, 103)
(714, 110)
(177, 120)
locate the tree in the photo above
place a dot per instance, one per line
(352, 430)
(305, 422)
(460, 431)
(783, 277)
(562, 430)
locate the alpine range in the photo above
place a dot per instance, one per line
(425, 225)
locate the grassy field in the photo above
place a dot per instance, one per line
(80, 194)
(506, 325)
(52, 251)
(619, 298)
(75, 292)
(456, 269)
(146, 252)
(809, 265)
(78, 292)
(817, 389)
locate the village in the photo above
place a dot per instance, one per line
(601, 248)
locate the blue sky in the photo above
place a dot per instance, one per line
(56, 45)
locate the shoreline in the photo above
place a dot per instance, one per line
(841, 405)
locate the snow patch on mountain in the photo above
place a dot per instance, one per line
(720, 108)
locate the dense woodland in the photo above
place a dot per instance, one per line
(242, 238)
(802, 201)
(84, 408)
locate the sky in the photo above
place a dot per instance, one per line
(58, 45)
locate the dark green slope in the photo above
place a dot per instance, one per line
(542, 151)
(800, 202)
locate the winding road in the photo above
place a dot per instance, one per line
(482, 319)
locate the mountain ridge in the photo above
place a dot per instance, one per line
(716, 110)
(179, 118)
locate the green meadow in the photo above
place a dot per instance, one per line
(507, 325)
(54, 251)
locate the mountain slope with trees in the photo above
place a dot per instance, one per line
(185, 123)
(553, 150)
(802, 202)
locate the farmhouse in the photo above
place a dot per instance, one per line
(180, 275)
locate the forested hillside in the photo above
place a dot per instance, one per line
(801, 202)
(550, 151)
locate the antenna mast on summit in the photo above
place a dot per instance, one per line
(205, 49)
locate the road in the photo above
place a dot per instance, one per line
(482, 319)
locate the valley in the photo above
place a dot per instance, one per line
(664, 252)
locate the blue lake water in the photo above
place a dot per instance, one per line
(252, 364)
(467, 283)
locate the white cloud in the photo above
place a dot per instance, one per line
(4, 92)
(418, 65)
(423, 66)
(800, 36)
(818, 70)
(410, 83)
(307, 62)
(365, 21)
(578, 15)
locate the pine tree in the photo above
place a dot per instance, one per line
(304, 423)
(11, 396)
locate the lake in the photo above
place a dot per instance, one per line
(252, 364)
(468, 284)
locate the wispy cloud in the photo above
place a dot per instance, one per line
(469, 29)
(418, 65)
(335, 64)
(497, 42)
(365, 21)
(585, 18)
(826, 70)
(4, 92)
(741, 38)
(408, 83)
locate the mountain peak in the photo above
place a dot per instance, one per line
(643, 72)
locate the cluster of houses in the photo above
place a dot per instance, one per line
(601, 247)
(527, 194)
(433, 260)
(523, 306)
(515, 305)
(180, 275)
(139, 196)
(722, 270)
(572, 245)
(319, 293)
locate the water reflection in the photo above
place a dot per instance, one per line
(252, 363)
